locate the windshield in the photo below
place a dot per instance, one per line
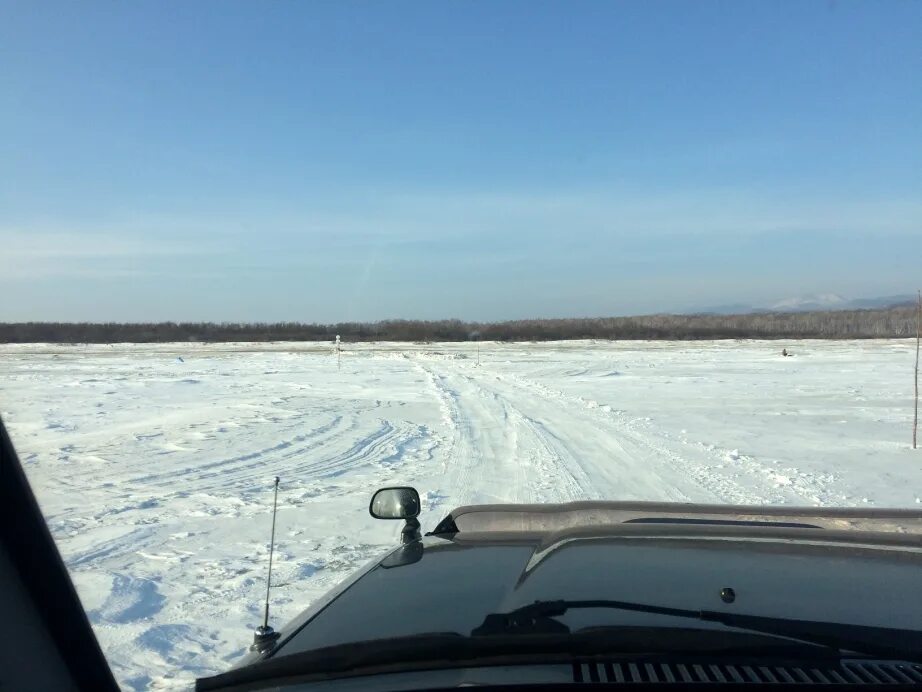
(499, 252)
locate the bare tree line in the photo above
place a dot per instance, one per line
(840, 324)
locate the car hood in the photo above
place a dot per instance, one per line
(450, 584)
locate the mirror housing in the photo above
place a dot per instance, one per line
(395, 503)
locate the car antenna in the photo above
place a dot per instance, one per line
(264, 636)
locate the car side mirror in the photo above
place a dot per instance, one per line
(395, 503)
(398, 503)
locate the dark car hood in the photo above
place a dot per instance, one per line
(451, 584)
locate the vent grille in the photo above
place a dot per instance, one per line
(844, 673)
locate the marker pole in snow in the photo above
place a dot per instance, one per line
(265, 635)
(339, 354)
(915, 415)
(476, 337)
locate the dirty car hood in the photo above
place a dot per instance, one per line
(450, 584)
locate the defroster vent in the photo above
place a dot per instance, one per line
(848, 672)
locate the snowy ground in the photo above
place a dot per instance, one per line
(155, 473)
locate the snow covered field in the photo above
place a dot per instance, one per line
(154, 463)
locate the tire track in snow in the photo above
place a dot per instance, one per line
(605, 465)
(459, 454)
(759, 486)
(494, 452)
(569, 449)
(382, 446)
(239, 466)
(112, 548)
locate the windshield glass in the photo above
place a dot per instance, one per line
(500, 252)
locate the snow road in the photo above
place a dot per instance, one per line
(154, 463)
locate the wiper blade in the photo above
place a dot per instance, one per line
(538, 617)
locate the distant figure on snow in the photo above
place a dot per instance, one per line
(784, 352)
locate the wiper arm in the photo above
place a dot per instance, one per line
(538, 617)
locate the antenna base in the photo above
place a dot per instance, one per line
(263, 638)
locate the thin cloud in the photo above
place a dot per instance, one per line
(42, 255)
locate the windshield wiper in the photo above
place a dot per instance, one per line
(538, 618)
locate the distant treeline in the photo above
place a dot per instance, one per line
(839, 324)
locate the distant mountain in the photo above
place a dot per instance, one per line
(822, 301)
(885, 302)
(731, 309)
(809, 303)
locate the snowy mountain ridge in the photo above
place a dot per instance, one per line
(821, 301)
(810, 303)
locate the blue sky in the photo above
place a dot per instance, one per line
(326, 161)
